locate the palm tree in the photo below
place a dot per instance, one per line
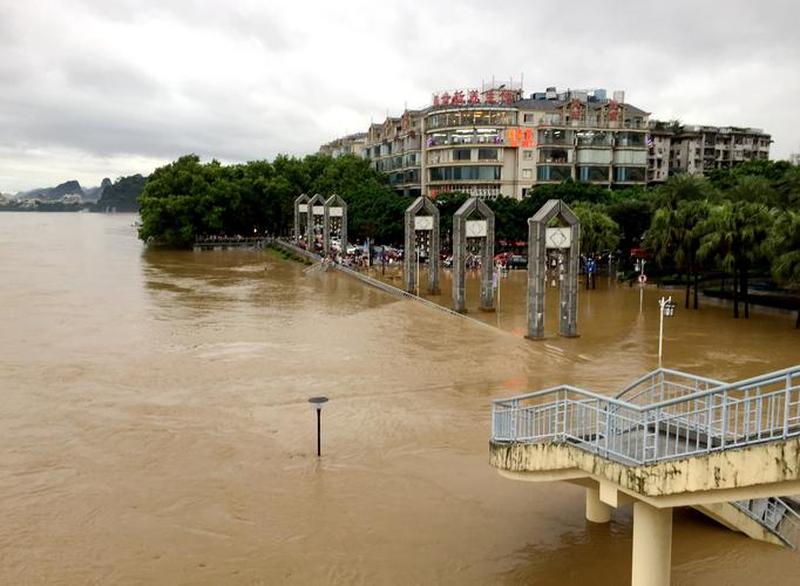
(691, 217)
(681, 188)
(783, 245)
(677, 225)
(734, 237)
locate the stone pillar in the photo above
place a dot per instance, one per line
(318, 201)
(334, 205)
(409, 253)
(421, 204)
(596, 510)
(459, 257)
(326, 231)
(537, 270)
(487, 267)
(568, 324)
(301, 200)
(652, 545)
(433, 257)
(537, 279)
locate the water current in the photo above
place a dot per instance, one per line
(155, 426)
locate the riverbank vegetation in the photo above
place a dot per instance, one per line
(738, 227)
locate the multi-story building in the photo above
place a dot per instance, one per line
(395, 148)
(495, 141)
(659, 147)
(700, 149)
(352, 144)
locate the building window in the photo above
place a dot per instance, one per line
(528, 118)
(593, 138)
(527, 155)
(487, 154)
(527, 174)
(553, 156)
(472, 118)
(472, 173)
(629, 174)
(553, 173)
(592, 173)
(462, 154)
(555, 136)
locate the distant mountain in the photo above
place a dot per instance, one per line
(122, 195)
(52, 193)
(94, 193)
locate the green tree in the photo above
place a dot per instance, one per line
(734, 238)
(783, 246)
(599, 233)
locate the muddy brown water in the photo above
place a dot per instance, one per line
(155, 428)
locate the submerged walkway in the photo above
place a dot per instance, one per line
(669, 439)
(376, 283)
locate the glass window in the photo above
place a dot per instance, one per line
(593, 138)
(553, 173)
(553, 156)
(472, 173)
(527, 174)
(555, 136)
(462, 154)
(527, 155)
(634, 139)
(592, 173)
(629, 174)
(487, 154)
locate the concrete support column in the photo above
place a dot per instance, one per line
(596, 510)
(652, 545)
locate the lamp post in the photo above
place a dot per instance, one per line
(666, 307)
(317, 403)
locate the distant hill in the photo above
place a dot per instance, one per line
(122, 195)
(52, 193)
(95, 193)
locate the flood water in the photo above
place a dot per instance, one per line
(155, 426)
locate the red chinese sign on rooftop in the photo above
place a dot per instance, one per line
(475, 97)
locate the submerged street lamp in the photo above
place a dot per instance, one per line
(667, 308)
(317, 403)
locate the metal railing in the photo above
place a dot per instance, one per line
(664, 415)
(774, 514)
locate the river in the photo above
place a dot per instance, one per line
(155, 425)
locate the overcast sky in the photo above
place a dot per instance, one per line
(96, 88)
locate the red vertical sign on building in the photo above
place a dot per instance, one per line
(613, 111)
(575, 109)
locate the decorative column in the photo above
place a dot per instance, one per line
(300, 207)
(540, 238)
(482, 229)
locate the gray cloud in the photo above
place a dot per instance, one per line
(97, 88)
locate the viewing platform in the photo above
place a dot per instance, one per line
(669, 439)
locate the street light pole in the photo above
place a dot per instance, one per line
(317, 403)
(666, 307)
